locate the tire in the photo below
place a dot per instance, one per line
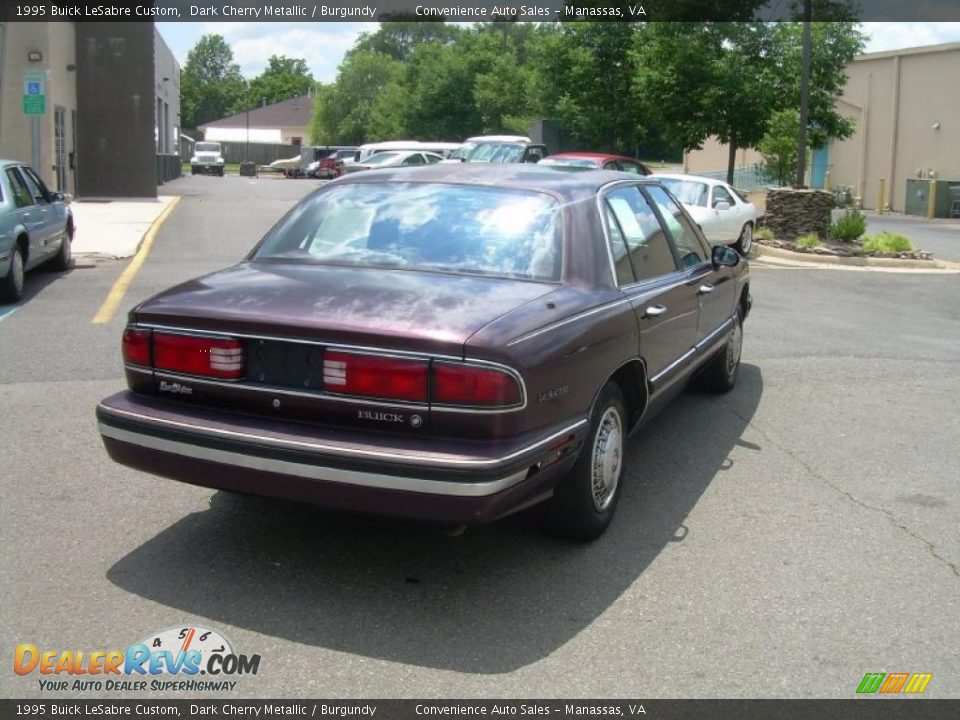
(745, 242)
(720, 375)
(584, 503)
(11, 284)
(64, 259)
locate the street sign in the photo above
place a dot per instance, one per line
(34, 92)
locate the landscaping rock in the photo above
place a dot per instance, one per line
(792, 213)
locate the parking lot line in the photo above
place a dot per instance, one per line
(119, 289)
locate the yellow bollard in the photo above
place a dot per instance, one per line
(932, 200)
(880, 194)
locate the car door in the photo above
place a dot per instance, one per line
(646, 268)
(715, 288)
(31, 216)
(54, 214)
(727, 214)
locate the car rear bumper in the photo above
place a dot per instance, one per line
(421, 479)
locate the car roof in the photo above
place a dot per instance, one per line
(518, 176)
(694, 178)
(593, 156)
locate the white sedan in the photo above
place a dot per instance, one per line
(394, 158)
(725, 216)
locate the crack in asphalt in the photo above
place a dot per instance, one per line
(931, 548)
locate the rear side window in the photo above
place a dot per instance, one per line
(425, 226)
(649, 251)
(21, 193)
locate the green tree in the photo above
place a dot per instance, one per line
(398, 39)
(343, 110)
(282, 79)
(779, 145)
(211, 86)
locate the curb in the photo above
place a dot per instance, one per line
(762, 251)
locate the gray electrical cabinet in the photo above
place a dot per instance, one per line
(918, 197)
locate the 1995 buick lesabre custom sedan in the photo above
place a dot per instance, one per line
(451, 344)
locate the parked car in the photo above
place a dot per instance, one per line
(330, 166)
(393, 158)
(365, 152)
(463, 152)
(725, 216)
(597, 161)
(498, 151)
(36, 227)
(446, 344)
(207, 159)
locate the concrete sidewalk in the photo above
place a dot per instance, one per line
(114, 227)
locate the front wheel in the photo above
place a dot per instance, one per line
(584, 502)
(745, 241)
(11, 284)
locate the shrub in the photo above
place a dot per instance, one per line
(887, 242)
(810, 240)
(763, 233)
(852, 225)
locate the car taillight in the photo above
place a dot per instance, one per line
(136, 347)
(195, 355)
(455, 384)
(376, 377)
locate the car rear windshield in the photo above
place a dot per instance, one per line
(569, 162)
(424, 226)
(688, 192)
(208, 147)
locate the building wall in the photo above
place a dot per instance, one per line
(117, 107)
(57, 45)
(713, 157)
(167, 89)
(896, 98)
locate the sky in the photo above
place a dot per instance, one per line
(323, 45)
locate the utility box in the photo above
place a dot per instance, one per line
(248, 169)
(918, 197)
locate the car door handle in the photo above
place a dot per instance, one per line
(704, 289)
(654, 311)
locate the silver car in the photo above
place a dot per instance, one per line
(36, 227)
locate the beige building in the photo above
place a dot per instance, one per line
(49, 47)
(906, 105)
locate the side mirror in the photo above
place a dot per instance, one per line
(721, 205)
(723, 256)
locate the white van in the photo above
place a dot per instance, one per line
(444, 149)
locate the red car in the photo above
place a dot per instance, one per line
(597, 161)
(449, 343)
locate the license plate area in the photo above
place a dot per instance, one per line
(285, 364)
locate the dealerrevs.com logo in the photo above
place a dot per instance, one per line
(184, 659)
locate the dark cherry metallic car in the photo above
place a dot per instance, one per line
(451, 343)
(596, 161)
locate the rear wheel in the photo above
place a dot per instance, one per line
(583, 504)
(64, 258)
(720, 375)
(11, 284)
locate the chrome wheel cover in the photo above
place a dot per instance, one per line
(606, 459)
(734, 347)
(746, 239)
(16, 269)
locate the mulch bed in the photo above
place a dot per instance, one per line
(840, 249)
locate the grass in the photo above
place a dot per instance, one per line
(763, 233)
(229, 168)
(810, 240)
(887, 242)
(848, 228)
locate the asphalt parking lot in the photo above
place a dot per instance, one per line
(779, 541)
